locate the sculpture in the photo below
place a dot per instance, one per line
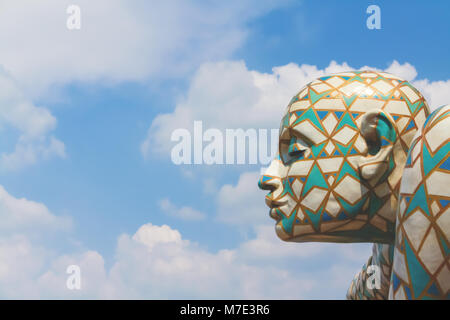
(343, 146)
(420, 253)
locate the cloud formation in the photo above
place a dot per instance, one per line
(26, 216)
(183, 213)
(228, 95)
(243, 203)
(138, 42)
(118, 41)
(156, 262)
(29, 125)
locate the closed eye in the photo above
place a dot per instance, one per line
(292, 150)
(296, 153)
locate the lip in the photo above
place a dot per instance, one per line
(277, 213)
(273, 204)
(275, 207)
(273, 213)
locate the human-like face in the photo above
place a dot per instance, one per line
(317, 190)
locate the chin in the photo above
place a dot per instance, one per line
(281, 233)
(317, 237)
(323, 238)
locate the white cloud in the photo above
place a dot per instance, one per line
(22, 215)
(150, 235)
(437, 93)
(242, 204)
(171, 267)
(118, 40)
(184, 213)
(405, 71)
(21, 262)
(52, 282)
(228, 95)
(266, 245)
(26, 231)
(31, 124)
(156, 262)
(180, 269)
(221, 91)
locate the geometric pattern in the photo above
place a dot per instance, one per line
(382, 255)
(417, 266)
(421, 265)
(316, 189)
(343, 145)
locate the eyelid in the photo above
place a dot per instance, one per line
(292, 148)
(296, 145)
(305, 141)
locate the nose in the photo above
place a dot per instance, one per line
(271, 184)
(267, 183)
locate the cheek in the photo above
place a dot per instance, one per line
(314, 199)
(306, 185)
(351, 190)
(309, 180)
(327, 183)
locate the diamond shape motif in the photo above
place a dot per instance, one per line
(383, 86)
(335, 81)
(344, 135)
(314, 198)
(329, 122)
(350, 189)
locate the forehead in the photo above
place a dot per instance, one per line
(331, 102)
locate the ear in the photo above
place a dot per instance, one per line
(379, 131)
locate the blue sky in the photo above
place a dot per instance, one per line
(105, 84)
(316, 33)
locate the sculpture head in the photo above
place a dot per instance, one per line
(343, 144)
